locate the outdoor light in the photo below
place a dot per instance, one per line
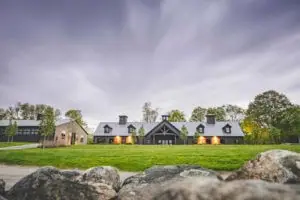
(201, 140)
(128, 140)
(117, 140)
(215, 140)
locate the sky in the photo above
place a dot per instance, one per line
(108, 57)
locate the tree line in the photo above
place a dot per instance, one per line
(271, 118)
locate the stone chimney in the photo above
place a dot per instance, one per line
(210, 119)
(123, 119)
(165, 117)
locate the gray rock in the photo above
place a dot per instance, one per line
(213, 189)
(49, 183)
(144, 185)
(2, 198)
(279, 166)
(105, 174)
(72, 174)
(2, 187)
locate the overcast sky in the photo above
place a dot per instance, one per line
(107, 57)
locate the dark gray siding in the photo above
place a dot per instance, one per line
(24, 134)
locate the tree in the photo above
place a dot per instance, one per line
(17, 110)
(290, 122)
(11, 113)
(11, 130)
(234, 112)
(32, 112)
(254, 132)
(141, 134)
(149, 114)
(57, 114)
(39, 110)
(184, 133)
(219, 112)
(198, 114)
(47, 124)
(25, 113)
(2, 114)
(133, 135)
(76, 115)
(268, 108)
(196, 136)
(176, 116)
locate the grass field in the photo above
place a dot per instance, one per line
(9, 144)
(139, 157)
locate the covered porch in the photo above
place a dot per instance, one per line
(164, 134)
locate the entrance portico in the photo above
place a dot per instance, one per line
(163, 133)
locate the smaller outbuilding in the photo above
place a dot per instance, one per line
(67, 132)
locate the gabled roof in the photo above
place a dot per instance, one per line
(210, 129)
(161, 124)
(21, 122)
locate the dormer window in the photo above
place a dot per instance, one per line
(107, 129)
(200, 128)
(227, 128)
(131, 128)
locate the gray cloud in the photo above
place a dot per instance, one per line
(108, 57)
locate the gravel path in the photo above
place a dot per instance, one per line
(25, 146)
(12, 174)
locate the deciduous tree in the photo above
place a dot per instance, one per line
(198, 114)
(219, 112)
(290, 123)
(184, 133)
(176, 116)
(141, 134)
(76, 115)
(268, 108)
(196, 136)
(47, 124)
(2, 114)
(149, 114)
(11, 130)
(234, 112)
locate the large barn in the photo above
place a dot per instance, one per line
(67, 132)
(165, 132)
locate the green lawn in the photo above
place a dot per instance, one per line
(9, 144)
(139, 157)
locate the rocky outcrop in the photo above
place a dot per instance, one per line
(144, 185)
(106, 175)
(213, 189)
(279, 166)
(50, 183)
(2, 187)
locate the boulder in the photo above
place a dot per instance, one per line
(144, 185)
(106, 175)
(2, 198)
(279, 166)
(72, 174)
(213, 189)
(49, 183)
(2, 187)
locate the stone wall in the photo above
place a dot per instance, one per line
(272, 175)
